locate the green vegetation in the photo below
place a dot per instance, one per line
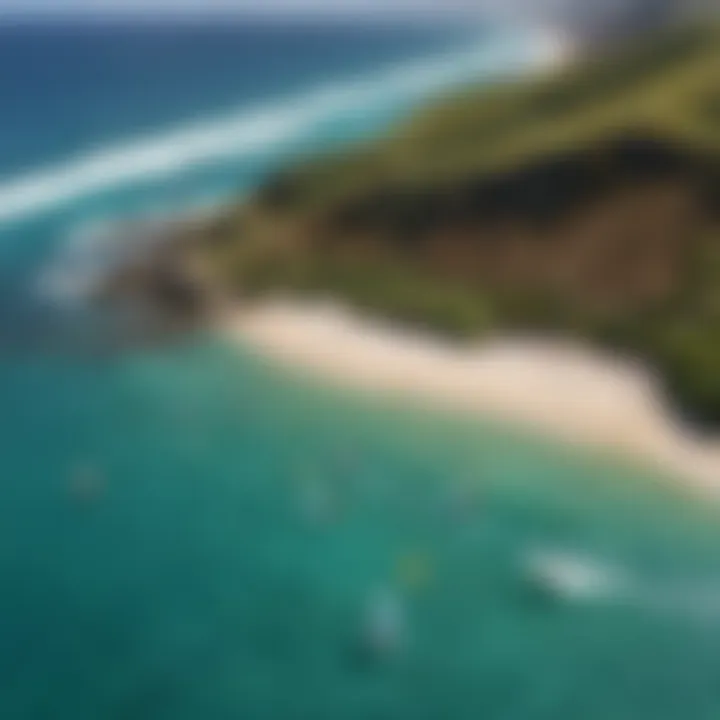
(667, 86)
(586, 202)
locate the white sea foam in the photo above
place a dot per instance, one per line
(573, 577)
(252, 131)
(82, 260)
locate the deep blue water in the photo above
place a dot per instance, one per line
(189, 582)
(76, 87)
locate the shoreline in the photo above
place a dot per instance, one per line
(559, 389)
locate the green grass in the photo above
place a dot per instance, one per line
(668, 85)
(666, 88)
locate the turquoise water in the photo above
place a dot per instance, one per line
(194, 585)
(190, 581)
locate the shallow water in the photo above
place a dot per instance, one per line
(189, 580)
(195, 585)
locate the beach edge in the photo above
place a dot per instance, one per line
(560, 389)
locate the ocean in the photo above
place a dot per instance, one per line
(187, 531)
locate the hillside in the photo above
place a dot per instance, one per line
(585, 203)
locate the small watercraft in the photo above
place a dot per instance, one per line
(86, 484)
(317, 502)
(414, 571)
(464, 501)
(383, 630)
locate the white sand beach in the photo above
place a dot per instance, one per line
(561, 389)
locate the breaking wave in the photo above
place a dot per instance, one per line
(250, 132)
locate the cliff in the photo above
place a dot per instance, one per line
(587, 202)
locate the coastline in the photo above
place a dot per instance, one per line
(559, 389)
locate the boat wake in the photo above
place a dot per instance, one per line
(570, 577)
